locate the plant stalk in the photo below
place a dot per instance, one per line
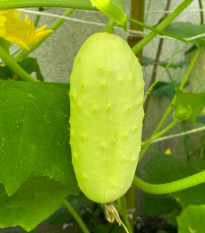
(109, 26)
(13, 65)
(123, 204)
(76, 216)
(154, 71)
(184, 80)
(161, 26)
(201, 12)
(137, 13)
(170, 187)
(185, 140)
(171, 125)
(80, 4)
(193, 61)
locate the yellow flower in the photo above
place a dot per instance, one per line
(168, 151)
(18, 31)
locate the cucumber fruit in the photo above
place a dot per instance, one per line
(106, 114)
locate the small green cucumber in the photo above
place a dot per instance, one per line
(106, 114)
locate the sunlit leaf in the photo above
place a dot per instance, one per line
(34, 136)
(34, 202)
(192, 219)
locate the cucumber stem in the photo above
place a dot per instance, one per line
(109, 26)
(170, 187)
(76, 216)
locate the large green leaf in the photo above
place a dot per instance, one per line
(157, 205)
(34, 202)
(188, 105)
(163, 168)
(185, 30)
(192, 220)
(34, 133)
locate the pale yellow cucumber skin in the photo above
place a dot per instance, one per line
(106, 113)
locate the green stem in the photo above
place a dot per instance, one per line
(161, 26)
(38, 16)
(201, 13)
(198, 149)
(170, 187)
(172, 102)
(185, 139)
(124, 213)
(172, 124)
(180, 134)
(148, 142)
(53, 27)
(109, 26)
(184, 80)
(160, 32)
(13, 65)
(171, 78)
(80, 4)
(76, 216)
(202, 149)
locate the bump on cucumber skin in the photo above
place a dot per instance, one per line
(106, 94)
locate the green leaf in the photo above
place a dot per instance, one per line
(31, 65)
(34, 136)
(192, 220)
(6, 73)
(108, 228)
(191, 50)
(186, 30)
(163, 89)
(114, 9)
(149, 61)
(188, 105)
(174, 65)
(34, 202)
(163, 168)
(201, 119)
(171, 217)
(146, 61)
(157, 205)
(62, 215)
